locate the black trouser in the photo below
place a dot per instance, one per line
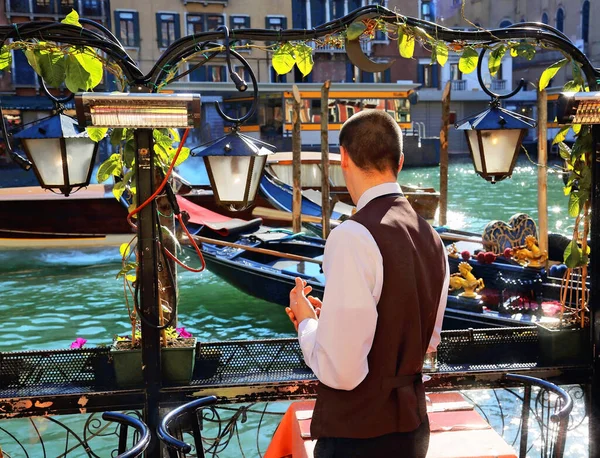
(405, 445)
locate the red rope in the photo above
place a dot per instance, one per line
(194, 244)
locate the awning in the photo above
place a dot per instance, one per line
(29, 102)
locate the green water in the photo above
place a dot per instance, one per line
(51, 297)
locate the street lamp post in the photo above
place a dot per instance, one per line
(96, 36)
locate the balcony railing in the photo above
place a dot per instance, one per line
(459, 85)
(365, 46)
(498, 85)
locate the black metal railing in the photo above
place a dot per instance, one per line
(459, 85)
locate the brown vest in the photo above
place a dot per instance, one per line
(391, 398)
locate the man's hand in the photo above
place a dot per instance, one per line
(302, 307)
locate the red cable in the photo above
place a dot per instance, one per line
(194, 244)
(164, 182)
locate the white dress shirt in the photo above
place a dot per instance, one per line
(336, 346)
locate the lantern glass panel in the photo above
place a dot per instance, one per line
(499, 147)
(230, 174)
(46, 155)
(474, 142)
(80, 153)
(258, 165)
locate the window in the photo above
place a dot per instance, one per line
(167, 29)
(243, 73)
(276, 22)
(197, 23)
(382, 77)
(25, 76)
(455, 73)
(43, 6)
(560, 20)
(427, 12)
(545, 19)
(428, 75)
(92, 7)
(336, 9)
(585, 21)
(240, 22)
(275, 77)
(505, 23)
(127, 28)
(209, 73)
(67, 5)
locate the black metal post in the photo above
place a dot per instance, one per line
(148, 283)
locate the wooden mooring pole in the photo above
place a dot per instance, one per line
(296, 163)
(325, 201)
(542, 161)
(444, 154)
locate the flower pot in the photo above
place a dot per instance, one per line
(563, 346)
(177, 363)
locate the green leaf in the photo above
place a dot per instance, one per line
(88, 59)
(52, 67)
(572, 254)
(5, 58)
(523, 50)
(32, 58)
(109, 167)
(561, 135)
(355, 30)
(406, 43)
(550, 73)
(571, 86)
(441, 53)
(495, 59)
(175, 134)
(574, 207)
(162, 139)
(129, 153)
(161, 154)
(118, 189)
(125, 249)
(96, 133)
(577, 75)
(304, 58)
(77, 76)
(283, 60)
(183, 155)
(564, 151)
(116, 136)
(576, 128)
(468, 61)
(72, 18)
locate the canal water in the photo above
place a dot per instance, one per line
(50, 297)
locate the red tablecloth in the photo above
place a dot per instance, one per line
(457, 431)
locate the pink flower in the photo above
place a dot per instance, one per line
(551, 308)
(181, 332)
(79, 343)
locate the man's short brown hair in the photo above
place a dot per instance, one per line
(373, 140)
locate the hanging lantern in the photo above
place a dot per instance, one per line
(494, 138)
(235, 164)
(62, 154)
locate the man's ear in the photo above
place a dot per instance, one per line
(343, 157)
(401, 162)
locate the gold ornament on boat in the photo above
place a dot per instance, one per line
(453, 251)
(464, 279)
(530, 254)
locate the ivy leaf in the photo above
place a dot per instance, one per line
(441, 53)
(183, 155)
(174, 133)
(52, 67)
(576, 128)
(564, 151)
(76, 75)
(111, 166)
(72, 18)
(88, 59)
(406, 43)
(523, 50)
(5, 58)
(572, 254)
(571, 86)
(468, 61)
(118, 189)
(162, 139)
(129, 153)
(161, 154)
(577, 76)
(550, 73)
(116, 136)
(303, 58)
(561, 135)
(125, 249)
(283, 59)
(32, 58)
(96, 133)
(495, 59)
(574, 206)
(355, 30)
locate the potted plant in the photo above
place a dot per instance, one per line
(566, 340)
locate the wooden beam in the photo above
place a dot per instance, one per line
(444, 154)
(296, 162)
(325, 197)
(542, 161)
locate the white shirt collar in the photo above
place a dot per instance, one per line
(376, 191)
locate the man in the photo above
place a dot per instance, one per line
(387, 280)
